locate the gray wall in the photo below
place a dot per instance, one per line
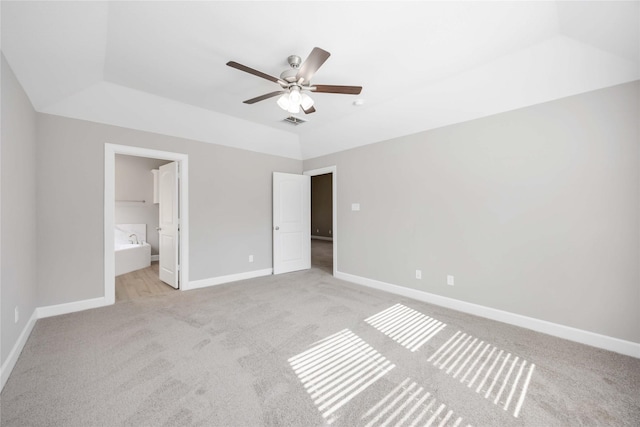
(134, 181)
(534, 211)
(229, 205)
(321, 206)
(18, 260)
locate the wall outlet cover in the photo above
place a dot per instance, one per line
(450, 280)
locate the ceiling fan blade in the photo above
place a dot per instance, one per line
(316, 58)
(309, 111)
(263, 97)
(249, 70)
(349, 90)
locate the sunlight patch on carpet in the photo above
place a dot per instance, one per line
(338, 368)
(406, 326)
(409, 405)
(496, 374)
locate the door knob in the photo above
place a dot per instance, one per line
(277, 228)
(158, 228)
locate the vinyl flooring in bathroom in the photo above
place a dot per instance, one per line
(140, 283)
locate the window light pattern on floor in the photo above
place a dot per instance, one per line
(410, 405)
(498, 375)
(406, 326)
(338, 368)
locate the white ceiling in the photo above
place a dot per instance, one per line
(160, 66)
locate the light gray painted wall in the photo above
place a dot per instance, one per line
(321, 206)
(18, 210)
(534, 211)
(134, 181)
(229, 204)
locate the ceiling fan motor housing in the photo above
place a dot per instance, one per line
(289, 75)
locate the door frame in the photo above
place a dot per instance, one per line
(333, 170)
(110, 151)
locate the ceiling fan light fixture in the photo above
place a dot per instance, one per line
(294, 95)
(283, 101)
(305, 101)
(294, 100)
(294, 108)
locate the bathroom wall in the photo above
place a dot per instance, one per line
(134, 183)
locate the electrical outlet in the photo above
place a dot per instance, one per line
(418, 274)
(318, 230)
(450, 280)
(16, 315)
(329, 231)
(250, 258)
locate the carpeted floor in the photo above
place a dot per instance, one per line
(305, 349)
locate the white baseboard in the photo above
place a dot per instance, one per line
(12, 359)
(617, 345)
(70, 307)
(213, 281)
(573, 334)
(155, 258)
(330, 239)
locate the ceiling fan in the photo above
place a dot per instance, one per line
(295, 81)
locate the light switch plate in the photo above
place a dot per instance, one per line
(355, 206)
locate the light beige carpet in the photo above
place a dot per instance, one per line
(305, 349)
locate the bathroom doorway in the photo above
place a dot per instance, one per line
(154, 256)
(137, 231)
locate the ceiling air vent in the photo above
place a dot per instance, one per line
(294, 120)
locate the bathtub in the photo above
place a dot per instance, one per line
(132, 257)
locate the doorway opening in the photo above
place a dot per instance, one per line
(146, 213)
(139, 203)
(324, 242)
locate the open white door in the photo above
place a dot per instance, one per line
(169, 222)
(291, 222)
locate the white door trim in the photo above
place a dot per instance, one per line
(333, 170)
(110, 151)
